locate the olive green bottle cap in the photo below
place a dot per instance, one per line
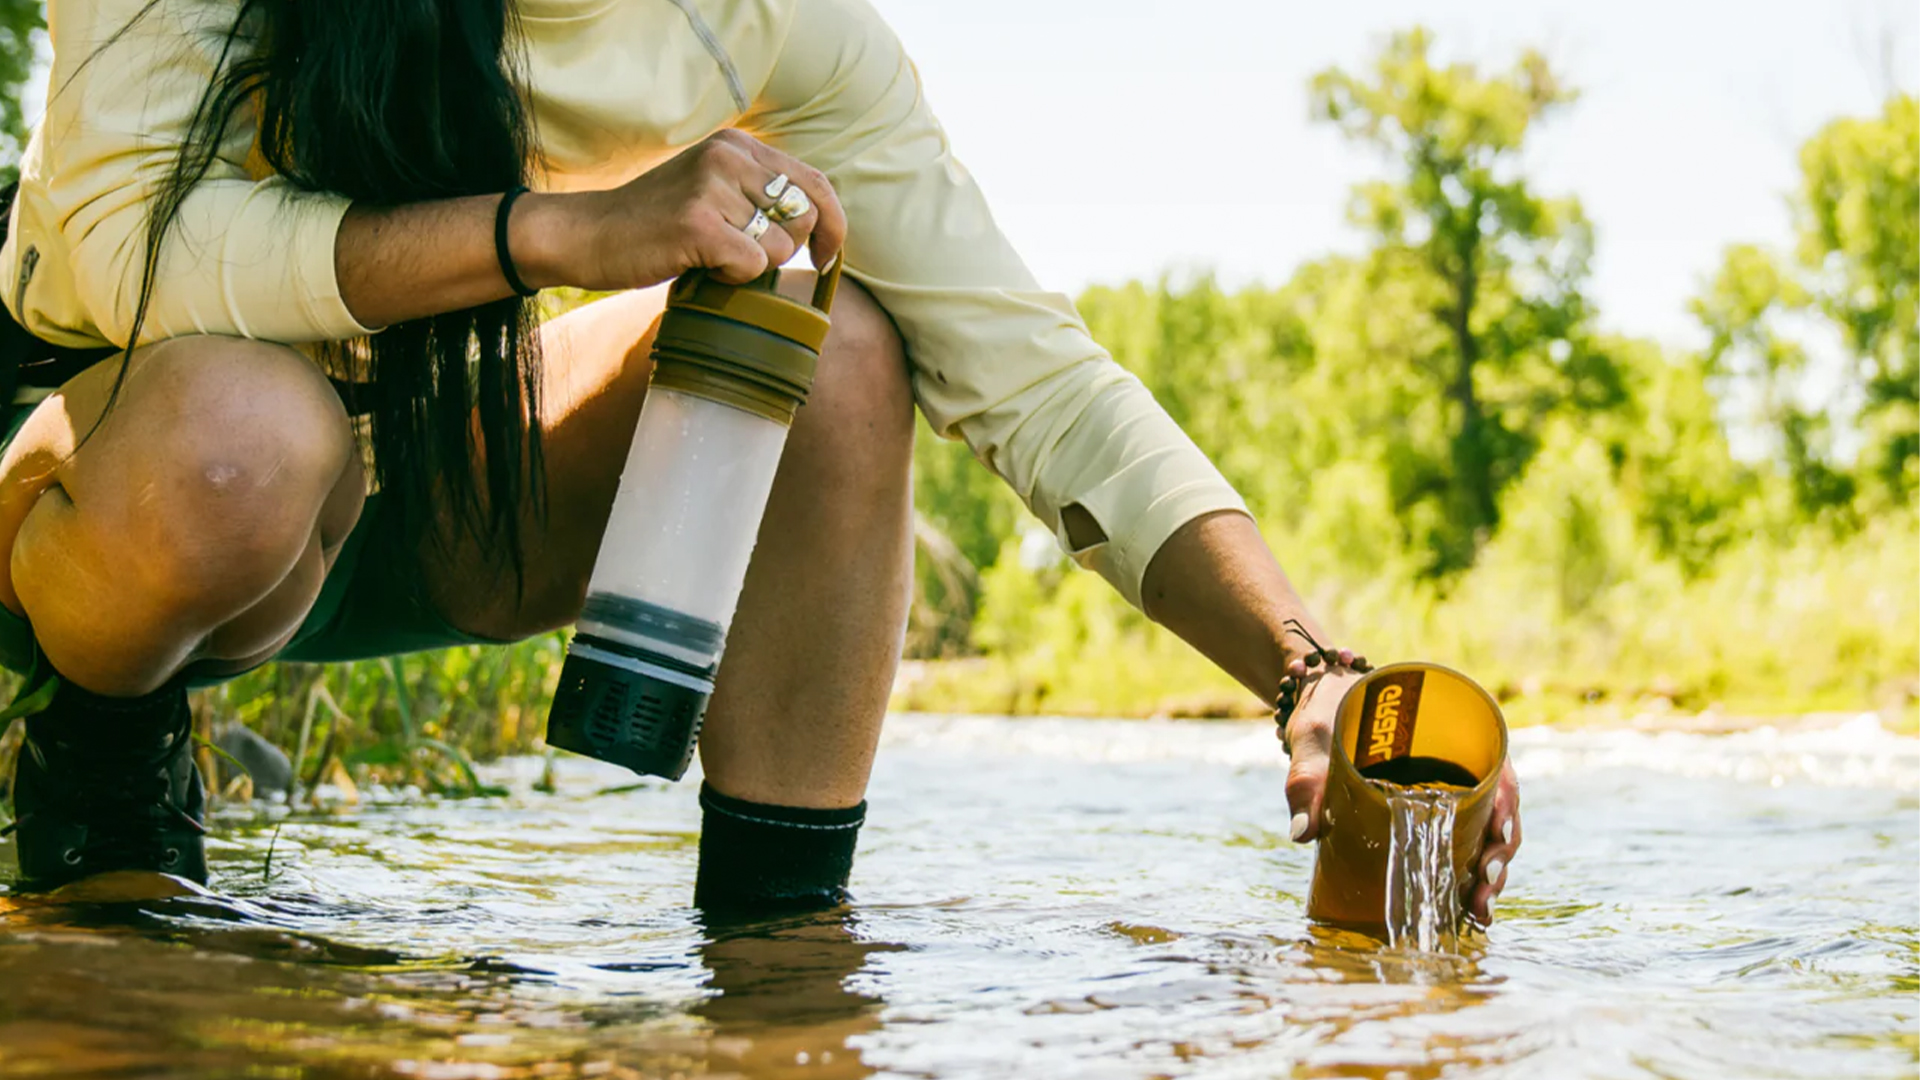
(743, 345)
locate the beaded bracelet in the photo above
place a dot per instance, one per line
(1291, 686)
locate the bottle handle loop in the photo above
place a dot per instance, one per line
(827, 283)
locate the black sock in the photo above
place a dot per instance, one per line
(757, 859)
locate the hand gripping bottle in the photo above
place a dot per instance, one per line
(731, 364)
(1402, 726)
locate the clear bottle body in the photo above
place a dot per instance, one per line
(731, 365)
(683, 526)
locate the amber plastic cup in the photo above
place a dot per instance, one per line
(1421, 723)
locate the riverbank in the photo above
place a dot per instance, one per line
(980, 685)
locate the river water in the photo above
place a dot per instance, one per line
(1037, 898)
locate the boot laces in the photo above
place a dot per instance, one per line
(117, 785)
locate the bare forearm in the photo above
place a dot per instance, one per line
(409, 262)
(1216, 584)
(397, 263)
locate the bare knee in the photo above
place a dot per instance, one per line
(191, 500)
(855, 433)
(245, 442)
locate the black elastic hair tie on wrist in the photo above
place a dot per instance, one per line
(500, 249)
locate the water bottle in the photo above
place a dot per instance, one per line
(1403, 726)
(731, 364)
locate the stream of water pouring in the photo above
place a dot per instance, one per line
(1423, 900)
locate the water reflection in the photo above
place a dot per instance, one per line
(786, 1001)
(167, 909)
(179, 983)
(146, 975)
(1359, 1039)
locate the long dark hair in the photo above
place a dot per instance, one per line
(390, 102)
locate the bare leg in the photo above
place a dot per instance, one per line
(811, 655)
(193, 527)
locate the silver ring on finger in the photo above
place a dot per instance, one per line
(777, 185)
(791, 203)
(757, 227)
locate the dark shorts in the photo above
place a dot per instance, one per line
(371, 603)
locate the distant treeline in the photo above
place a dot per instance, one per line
(1455, 461)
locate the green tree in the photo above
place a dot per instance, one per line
(1856, 268)
(1671, 458)
(1859, 224)
(1747, 309)
(1493, 270)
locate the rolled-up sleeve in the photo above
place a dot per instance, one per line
(997, 361)
(248, 257)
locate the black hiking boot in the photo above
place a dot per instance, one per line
(107, 784)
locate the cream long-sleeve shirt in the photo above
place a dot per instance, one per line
(615, 87)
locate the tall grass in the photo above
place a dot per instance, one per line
(420, 719)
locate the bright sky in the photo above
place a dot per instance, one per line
(1120, 138)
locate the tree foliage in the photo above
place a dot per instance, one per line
(1859, 211)
(1487, 272)
(1850, 280)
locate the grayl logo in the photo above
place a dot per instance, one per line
(1388, 714)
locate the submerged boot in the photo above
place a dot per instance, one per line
(107, 784)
